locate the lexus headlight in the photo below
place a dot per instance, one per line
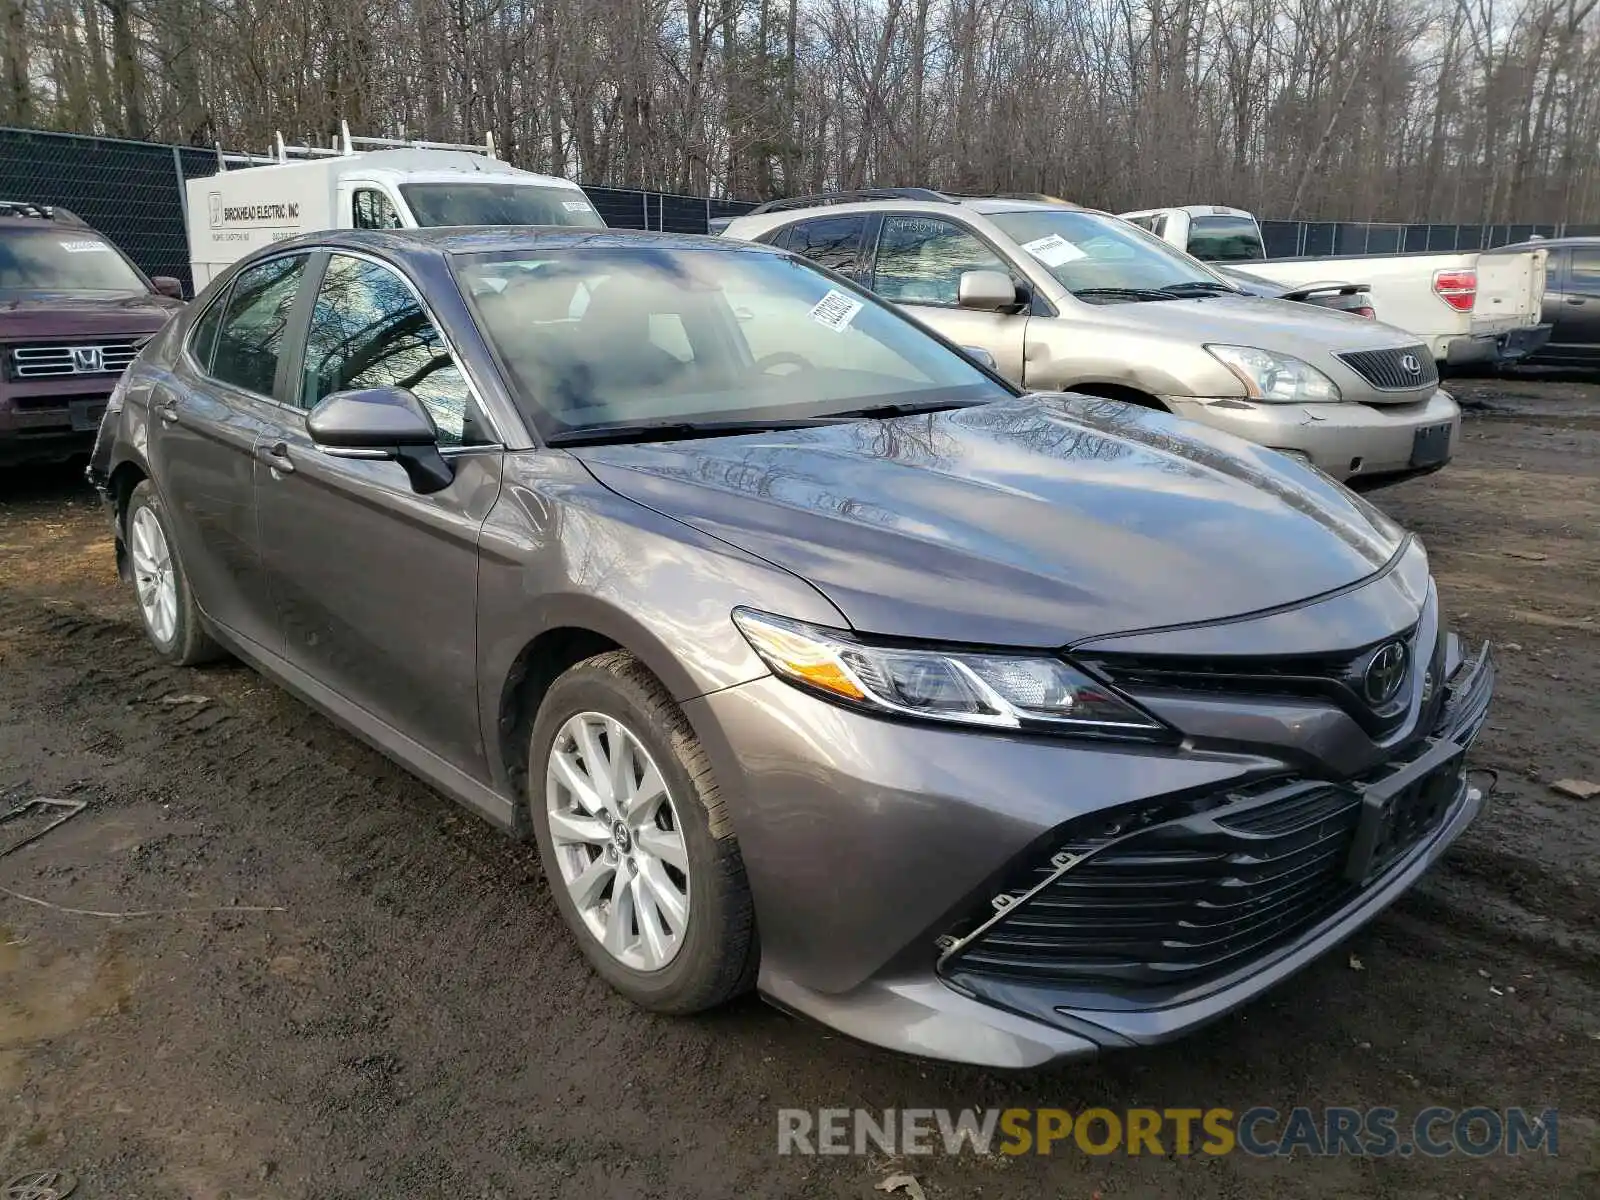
(1276, 378)
(1004, 691)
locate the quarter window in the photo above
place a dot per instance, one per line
(921, 260)
(374, 210)
(203, 338)
(832, 242)
(250, 339)
(368, 330)
(1585, 272)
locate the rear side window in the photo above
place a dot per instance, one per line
(368, 330)
(251, 335)
(832, 242)
(203, 338)
(920, 260)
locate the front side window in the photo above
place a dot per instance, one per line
(250, 338)
(832, 242)
(63, 258)
(921, 260)
(368, 330)
(1584, 272)
(499, 204)
(373, 210)
(1105, 259)
(1225, 239)
(600, 337)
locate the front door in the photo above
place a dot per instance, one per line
(375, 586)
(918, 265)
(1573, 306)
(205, 418)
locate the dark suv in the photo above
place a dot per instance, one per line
(73, 313)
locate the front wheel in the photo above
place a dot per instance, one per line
(635, 841)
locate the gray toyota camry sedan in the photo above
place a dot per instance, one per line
(993, 727)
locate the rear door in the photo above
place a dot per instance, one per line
(1573, 306)
(918, 265)
(375, 586)
(205, 418)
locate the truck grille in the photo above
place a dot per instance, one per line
(1187, 902)
(87, 358)
(1402, 370)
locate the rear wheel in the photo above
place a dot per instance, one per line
(635, 842)
(166, 605)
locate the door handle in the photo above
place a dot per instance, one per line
(277, 457)
(1576, 299)
(167, 410)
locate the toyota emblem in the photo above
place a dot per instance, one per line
(1411, 364)
(1386, 671)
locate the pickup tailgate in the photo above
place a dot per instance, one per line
(1510, 291)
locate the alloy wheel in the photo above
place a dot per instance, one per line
(618, 841)
(154, 575)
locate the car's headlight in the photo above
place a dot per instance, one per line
(1005, 691)
(1276, 378)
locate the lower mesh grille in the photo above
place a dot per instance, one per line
(1193, 899)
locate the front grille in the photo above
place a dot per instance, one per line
(1186, 902)
(81, 358)
(1390, 370)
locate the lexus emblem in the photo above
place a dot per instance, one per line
(88, 360)
(1411, 364)
(1386, 671)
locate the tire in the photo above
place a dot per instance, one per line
(716, 954)
(174, 630)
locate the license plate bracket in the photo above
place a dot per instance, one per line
(86, 415)
(1430, 445)
(1401, 811)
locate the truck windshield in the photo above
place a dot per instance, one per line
(629, 342)
(499, 204)
(1104, 260)
(56, 258)
(1225, 239)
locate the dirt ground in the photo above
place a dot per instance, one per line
(406, 1016)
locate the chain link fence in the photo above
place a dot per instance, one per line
(133, 192)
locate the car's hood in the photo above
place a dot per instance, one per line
(1033, 522)
(57, 315)
(1307, 331)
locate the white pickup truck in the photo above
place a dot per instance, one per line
(1467, 307)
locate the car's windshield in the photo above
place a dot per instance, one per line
(59, 258)
(499, 204)
(1102, 259)
(1225, 239)
(610, 336)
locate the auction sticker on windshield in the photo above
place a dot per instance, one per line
(1053, 250)
(86, 246)
(835, 310)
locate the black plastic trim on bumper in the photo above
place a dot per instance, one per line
(1500, 349)
(1110, 1020)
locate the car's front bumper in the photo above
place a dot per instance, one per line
(866, 842)
(1348, 441)
(51, 420)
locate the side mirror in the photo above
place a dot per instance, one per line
(166, 285)
(988, 291)
(983, 356)
(382, 423)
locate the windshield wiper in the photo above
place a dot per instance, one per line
(1200, 287)
(669, 431)
(877, 412)
(1120, 293)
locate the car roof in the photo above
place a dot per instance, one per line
(1554, 243)
(491, 239)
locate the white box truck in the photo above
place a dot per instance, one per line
(365, 183)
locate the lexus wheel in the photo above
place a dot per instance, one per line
(635, 842)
